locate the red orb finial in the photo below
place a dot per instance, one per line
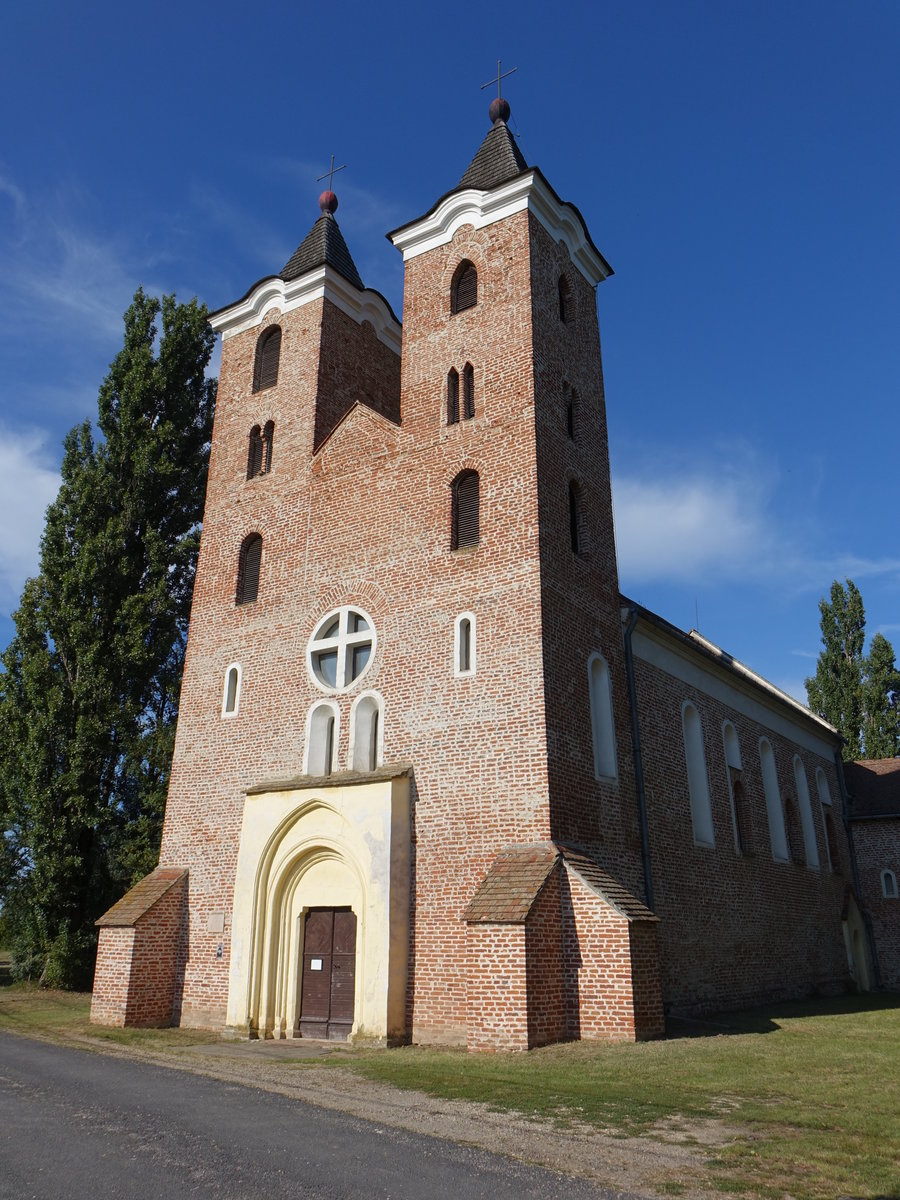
(328, 201)
(499, 110)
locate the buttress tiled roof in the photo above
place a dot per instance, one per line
(874, 787)
(323, 246)
(507, 893)
(498, 159)
(606, 886)
(142, 897)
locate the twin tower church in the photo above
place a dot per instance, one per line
(435, 778)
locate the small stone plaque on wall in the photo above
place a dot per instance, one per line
(215, 922)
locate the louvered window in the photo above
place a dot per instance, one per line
(565, 299)
(464, 530)
(452, 397)
(464, 289)
(268, 352)
(268, 437)
(255, 453)
(248, 569)
(468, 392)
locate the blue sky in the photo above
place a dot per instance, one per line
(736, 162)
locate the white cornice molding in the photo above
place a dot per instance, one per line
(324, 282)
(475, 207)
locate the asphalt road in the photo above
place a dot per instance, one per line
(74, 1124)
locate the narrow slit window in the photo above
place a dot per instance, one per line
(889, 885)
(565, 300)
(254, 453)
(465, 516)
(468, 392)
(248, 569)
(464, 288)
(268, 437)
(574, 519)
(452, 396)
(268, 354)
(464, 645)
(231, 694)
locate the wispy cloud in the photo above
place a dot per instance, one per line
(679, 519)
(29, 481)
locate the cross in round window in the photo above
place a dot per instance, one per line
(341, 648)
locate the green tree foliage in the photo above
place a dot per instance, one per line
(857, 694)
(88, 700)
(881, 701)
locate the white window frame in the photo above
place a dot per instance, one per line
(354, 730)
(895, 893)
(458, 671)
(332, 707)
(825, 801)
(698, 778)
(730, 767)
(807, 824)
(343, 643)
(774, 807)
(226, 713)
(603, 726)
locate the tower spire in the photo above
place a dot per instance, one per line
(499, 109)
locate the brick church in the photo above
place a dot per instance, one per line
(435, 778)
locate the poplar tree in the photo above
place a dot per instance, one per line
(88, 698)
(835, 691)
(881, 701)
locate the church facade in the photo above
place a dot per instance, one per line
(435, 778)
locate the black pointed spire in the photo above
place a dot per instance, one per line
(499, 158)
(323, 246)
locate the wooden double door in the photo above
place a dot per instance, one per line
(328, 977)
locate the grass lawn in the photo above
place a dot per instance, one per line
(813, 1089)
(810, 1092)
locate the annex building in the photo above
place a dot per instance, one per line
(435, 778)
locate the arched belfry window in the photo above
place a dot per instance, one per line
(248, 569)
(464, 523)
(268, 437)
(464, 288)
(452, 396)
(602, 728)
(365, 732)
(268, 352)
(889, 885)
(322, 739)
(698, 784)
(468, 391)
(565, 300)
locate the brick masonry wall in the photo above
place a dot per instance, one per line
(878, 849)
(545, 968)
(497, 989)
(366, 521)
(735, 929)
(154, 960)
(112, 976)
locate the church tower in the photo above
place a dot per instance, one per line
(402, 802)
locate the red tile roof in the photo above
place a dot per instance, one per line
(142, 897)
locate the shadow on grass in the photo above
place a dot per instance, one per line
(768, 1018)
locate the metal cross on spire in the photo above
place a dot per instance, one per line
(500, 76)
(333, 170)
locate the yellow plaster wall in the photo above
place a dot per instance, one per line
(321, 847)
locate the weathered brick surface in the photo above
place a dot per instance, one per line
(734, 929)
(878, 849)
